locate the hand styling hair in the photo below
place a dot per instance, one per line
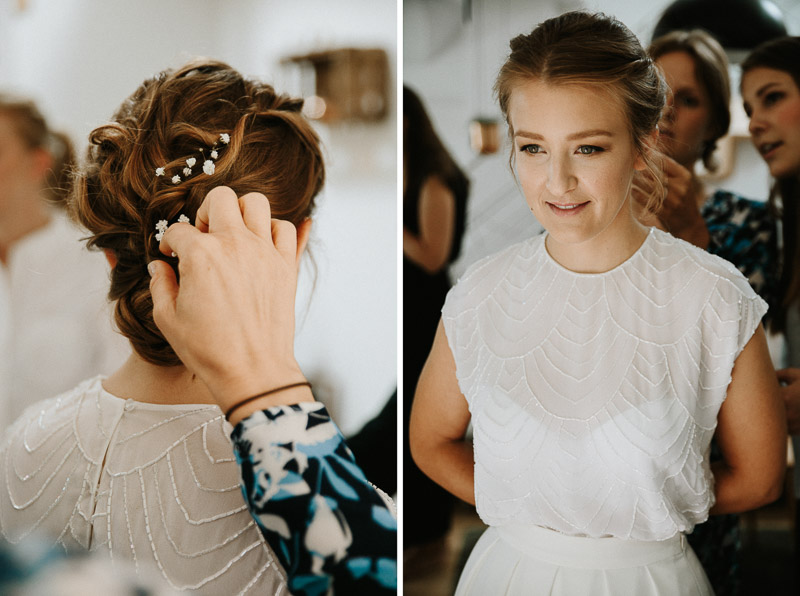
(173, 117)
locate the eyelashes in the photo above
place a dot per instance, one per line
(589, 149)
(531, 148)
(534, 149)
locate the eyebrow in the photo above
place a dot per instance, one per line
(765, 88)
(594, 132)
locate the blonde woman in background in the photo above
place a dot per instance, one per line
(54, 317)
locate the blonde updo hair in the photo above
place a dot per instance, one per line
(591, 49)
(172, 117)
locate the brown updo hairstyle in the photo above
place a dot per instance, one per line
(178, 115)
(591, 49)
(28, 122)
(711, 71)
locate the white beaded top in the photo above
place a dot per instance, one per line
(156, 484)
(594, 397)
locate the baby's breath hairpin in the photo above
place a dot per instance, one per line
(163, 224)
(209, 167)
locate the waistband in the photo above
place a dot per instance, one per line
(589, 553)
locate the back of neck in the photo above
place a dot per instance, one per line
(142, 381)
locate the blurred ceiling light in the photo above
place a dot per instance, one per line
(739, 25)
(314, 107)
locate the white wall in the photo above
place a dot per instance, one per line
(452, 64)
(80, 58)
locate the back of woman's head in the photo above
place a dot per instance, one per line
(31, 127)
(161, 155)
(711, 71)
(591, 49)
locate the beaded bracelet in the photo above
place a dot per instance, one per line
(270, 392)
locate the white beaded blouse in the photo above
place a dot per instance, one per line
(154, 484)
(594, 397)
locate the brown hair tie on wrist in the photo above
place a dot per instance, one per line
(271, 391)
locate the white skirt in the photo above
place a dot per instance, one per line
(530, 560)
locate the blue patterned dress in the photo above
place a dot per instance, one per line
(743, 232)
(332, 531)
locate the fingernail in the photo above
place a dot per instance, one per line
(151, 268)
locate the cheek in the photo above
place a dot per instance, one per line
(789, 116)
(530, 178)
(694, 123)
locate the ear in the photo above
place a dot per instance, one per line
(110, 257)
(42, 161)
(303, 233)
(649, 145)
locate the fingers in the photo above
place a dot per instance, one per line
(176, 239)
(221, 209)
(788, 375)
(284, 235)
(303, 233)
(164, 290)
(675, 170)
(256, 213)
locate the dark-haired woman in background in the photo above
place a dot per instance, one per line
(771, 93)
(434, 214)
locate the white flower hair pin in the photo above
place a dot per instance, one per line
(209, 167)
(163, 224)
(161, 227)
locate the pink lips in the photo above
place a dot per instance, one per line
(566, 209)
(767, 150)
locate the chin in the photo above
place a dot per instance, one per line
(781, 170)
(568, 236)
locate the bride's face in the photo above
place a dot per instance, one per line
(575, 158)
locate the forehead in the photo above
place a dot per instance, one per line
(679, 68)
(8, 129)
(758, 78)
(565, 107)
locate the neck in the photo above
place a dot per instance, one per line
(142, 381)
(609, 249)
(21, 219)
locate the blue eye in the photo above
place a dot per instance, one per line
(589, 149)
(531, 148)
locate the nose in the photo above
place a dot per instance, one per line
(560, 178)
(757, 123)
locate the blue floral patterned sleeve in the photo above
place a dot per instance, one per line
(330, 528)
(744, 232)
